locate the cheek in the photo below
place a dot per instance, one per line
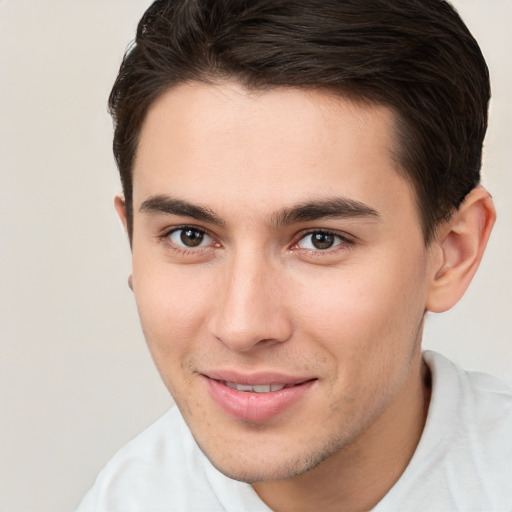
(172, 306)
(369, 334)
(368, 314)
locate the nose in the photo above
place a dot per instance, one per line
(251, 309)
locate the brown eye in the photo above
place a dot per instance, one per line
(189, 237)
(320, 241)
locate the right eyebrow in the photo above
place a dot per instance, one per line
(171, 206)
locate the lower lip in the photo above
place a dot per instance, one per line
(252, 406)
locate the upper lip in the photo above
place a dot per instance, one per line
(256, 378)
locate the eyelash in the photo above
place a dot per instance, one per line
(345, 242)
(165, 240)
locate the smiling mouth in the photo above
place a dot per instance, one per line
(257, 401)
(261, 388)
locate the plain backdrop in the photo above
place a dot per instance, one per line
(76, 380)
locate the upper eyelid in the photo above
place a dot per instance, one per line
(341, 234)
(168, 230)
(164, 235)
(164, 238)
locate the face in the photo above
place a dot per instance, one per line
(279, 271)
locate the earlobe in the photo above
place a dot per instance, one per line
(461, 243)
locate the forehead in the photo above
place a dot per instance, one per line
(227, 147)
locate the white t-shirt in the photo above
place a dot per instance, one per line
(463, 461)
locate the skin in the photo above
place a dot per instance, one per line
(256, 295)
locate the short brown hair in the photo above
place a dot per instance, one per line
(415, 56)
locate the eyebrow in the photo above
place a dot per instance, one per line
(170, 206)
(336, 207)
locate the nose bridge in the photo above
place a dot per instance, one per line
(250, 306)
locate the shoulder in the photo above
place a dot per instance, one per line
(479, 399)
(462, 461)
(472, 409)
(160, 469)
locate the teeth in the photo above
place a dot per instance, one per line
(262, 388)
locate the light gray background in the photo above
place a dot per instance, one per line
(75, 377)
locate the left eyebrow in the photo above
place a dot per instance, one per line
(336, 207)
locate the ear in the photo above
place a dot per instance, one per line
(120, 206)
(458, 249)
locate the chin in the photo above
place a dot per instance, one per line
(252, 468)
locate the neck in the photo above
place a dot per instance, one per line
(358, 476)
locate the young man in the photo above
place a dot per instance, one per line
(301, 185)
